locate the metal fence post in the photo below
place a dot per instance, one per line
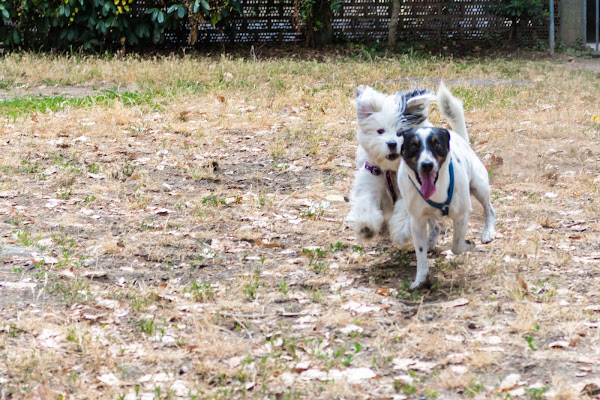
(584, 23)
(597, 23)
(552, 27)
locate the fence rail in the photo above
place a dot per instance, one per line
(420, 20)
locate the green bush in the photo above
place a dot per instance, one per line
(96, 24)
(519, 12)
(313, 19)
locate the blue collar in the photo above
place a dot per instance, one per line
(445, 206)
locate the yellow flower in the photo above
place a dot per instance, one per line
(119, 10)
(76, 10)
(596, 118)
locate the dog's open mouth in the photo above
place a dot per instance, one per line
(427, 184)
(392, 156)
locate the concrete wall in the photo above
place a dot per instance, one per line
(571, 21)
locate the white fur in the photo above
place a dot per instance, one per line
(371, 205)
(452, 109)
(470, 176)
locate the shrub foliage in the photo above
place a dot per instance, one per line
(520, 12)
(96, 24)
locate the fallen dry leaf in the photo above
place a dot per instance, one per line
(523, 283)
(267, 245)
(359, 308)
(454, 358)
(357, 375)
(559, 344)
(591, 388)
(510, 382)
(109, 379)
(405, 364)
(455, 303)
(162, 211)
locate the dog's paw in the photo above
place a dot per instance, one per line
(420, 284)
(366, 233)
(487, 236)
(469, 245)
(366, 229)
(465, 246)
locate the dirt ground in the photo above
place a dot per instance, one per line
(195, 246)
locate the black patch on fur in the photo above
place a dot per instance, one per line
(458, 159)
(411, 148)
(420, 249)
(416, 119)
(401, 99)
(414, 114)
(437, 142)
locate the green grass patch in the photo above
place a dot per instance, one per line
(5, 84)
(486, 97)
(24, 105)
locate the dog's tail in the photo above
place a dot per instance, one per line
(452, 109)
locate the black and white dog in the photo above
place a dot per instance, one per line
(438, 172)
(375, 202)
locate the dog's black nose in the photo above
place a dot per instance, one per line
(393, 146)
(427, 166)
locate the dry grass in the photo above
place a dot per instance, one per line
(191, 250)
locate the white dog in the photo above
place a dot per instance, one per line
(375, 200)
(437, 175)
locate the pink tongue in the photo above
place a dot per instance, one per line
(427, 185)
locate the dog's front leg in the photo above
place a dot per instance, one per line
(418, 228)
(459, 244)
(367, 215)
(434, 232)
(400, 223)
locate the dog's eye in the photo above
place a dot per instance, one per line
(380, 131)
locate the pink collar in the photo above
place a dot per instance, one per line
(390, 177)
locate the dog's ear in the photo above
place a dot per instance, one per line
(408, 135)
(444, 136)
(368, 101)
(417, 107)
(360, 90)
